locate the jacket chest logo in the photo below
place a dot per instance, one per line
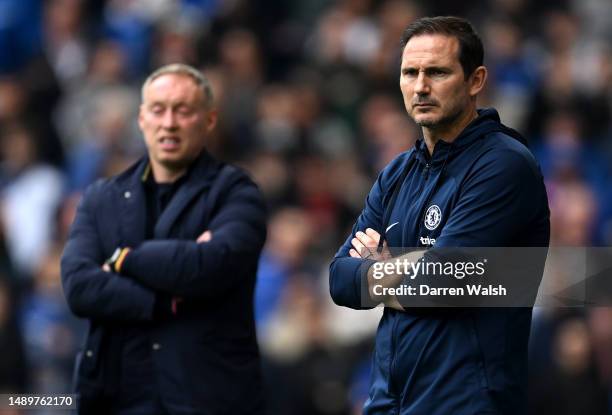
(433, 217)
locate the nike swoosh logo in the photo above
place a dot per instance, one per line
(390, 226)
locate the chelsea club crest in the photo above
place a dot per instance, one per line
(433, 217)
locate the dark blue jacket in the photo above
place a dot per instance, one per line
(206, 359)
(490, 193)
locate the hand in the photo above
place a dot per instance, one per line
(205, 237)
(365, 245)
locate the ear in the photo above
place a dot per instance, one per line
(477, 80)
(140, 116)
(211, 120)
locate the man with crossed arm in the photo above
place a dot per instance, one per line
(161, 260)
(469, 182)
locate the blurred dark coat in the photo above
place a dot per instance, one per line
(205, 358)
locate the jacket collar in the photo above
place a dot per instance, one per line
(487, 121)
(131, 185)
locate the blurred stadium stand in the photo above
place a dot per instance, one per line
(310, 106)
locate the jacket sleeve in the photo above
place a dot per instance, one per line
(347, 282)
(503, 195)
(90, 291)
(207, 270)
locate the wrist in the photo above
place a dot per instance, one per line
(116, 261)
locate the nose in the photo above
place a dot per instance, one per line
(169, 119)
(421, 86)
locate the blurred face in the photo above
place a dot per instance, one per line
(175, 123)
(435, 91)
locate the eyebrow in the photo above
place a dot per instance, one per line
(428, 69)
(171, 104)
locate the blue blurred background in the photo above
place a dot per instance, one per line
(309, 101)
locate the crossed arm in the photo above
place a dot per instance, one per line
(165, 304)
(205, 269)
(365, 246)
(495, 205)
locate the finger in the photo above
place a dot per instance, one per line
(364, 251)
(205, 237)
(359, 247)
(106, 268)
(366, 240)
(354, 253)
(373, 234)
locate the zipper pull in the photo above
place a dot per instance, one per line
(426, 171)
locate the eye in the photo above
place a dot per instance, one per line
(411, 72)
(437, 72)
(184, 110)
(157, 109)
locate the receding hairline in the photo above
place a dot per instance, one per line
(184, 70)
(442, 35)
(471, 49)
(454, 42)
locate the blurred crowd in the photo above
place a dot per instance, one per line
(309, 102)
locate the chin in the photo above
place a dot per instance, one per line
(426, 121)
(173, 163)
(177, 163)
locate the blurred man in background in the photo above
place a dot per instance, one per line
(162, 259)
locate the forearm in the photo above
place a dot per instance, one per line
(93, 293)
(379, 285)
(90, 291)
(189, 269)
(348, 283)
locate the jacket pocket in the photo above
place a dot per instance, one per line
(88, 360)
(88, 371)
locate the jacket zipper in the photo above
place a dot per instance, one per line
(426, 171)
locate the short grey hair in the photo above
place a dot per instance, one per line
(182, 69)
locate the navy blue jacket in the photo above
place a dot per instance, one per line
(490, 193)
(206, 359)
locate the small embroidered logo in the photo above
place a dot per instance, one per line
(433, 217)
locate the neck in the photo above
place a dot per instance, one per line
(448, 132)
(163, 174)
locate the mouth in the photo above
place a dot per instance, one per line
(169, 142)
(423, 108)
